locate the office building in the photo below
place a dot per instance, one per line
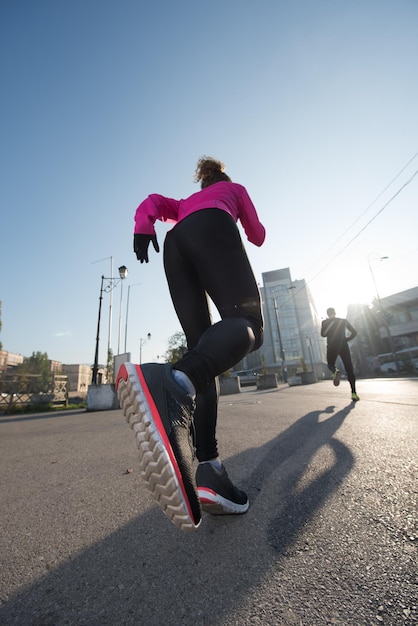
(292, 341)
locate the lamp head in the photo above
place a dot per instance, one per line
(123, 271)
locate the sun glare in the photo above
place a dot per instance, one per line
(343, 285)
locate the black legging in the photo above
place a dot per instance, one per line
(204, 256)
(342, 350)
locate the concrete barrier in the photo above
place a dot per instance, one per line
(308, 378)
(229, 385)
(267, 381)
(102, 398)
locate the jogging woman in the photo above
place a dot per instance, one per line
(203, 258)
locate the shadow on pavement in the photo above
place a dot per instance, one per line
(299, 443)
(149, 573)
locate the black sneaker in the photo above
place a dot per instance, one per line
(217, 494)
(161, 412)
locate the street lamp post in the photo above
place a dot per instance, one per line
(127, 311)
(109, 338)
(123, 272)
(276, 311)
(310, 350)
(282, 352)
(376, 258)
(141, 343)
(385, 322)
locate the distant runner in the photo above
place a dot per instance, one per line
(334, 329)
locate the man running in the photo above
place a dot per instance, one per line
(334, 329)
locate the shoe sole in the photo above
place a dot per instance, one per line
(337, 379)
(213, 503)
(157, 461)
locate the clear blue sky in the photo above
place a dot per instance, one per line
(311, 105)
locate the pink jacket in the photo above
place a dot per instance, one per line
(230, 197)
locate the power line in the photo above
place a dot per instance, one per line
(370, 206)
(377, 197)
(382, 209)
(366, 225)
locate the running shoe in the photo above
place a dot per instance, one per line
(160, 413)
(354, 397)
(337, 377)
(217, 494)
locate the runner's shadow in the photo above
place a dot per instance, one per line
(289, 456)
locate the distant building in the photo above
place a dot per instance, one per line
(292, 340)
(8, 359)
(388, 334)
(79, 377)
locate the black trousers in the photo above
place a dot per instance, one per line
(204, 258)
(342, 350)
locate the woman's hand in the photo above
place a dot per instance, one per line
(141, 243)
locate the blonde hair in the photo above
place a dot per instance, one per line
(210, 171)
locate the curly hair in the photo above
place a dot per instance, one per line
(210, 171)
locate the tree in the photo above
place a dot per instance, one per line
(34, 373)
(177, 347)
(109, 366)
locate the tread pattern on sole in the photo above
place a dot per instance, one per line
(155, 464)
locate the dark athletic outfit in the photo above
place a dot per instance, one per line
(334, 329)
(204, 257)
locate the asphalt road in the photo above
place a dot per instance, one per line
(330, 537)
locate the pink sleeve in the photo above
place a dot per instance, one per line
(254, 229)
(153, 208)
